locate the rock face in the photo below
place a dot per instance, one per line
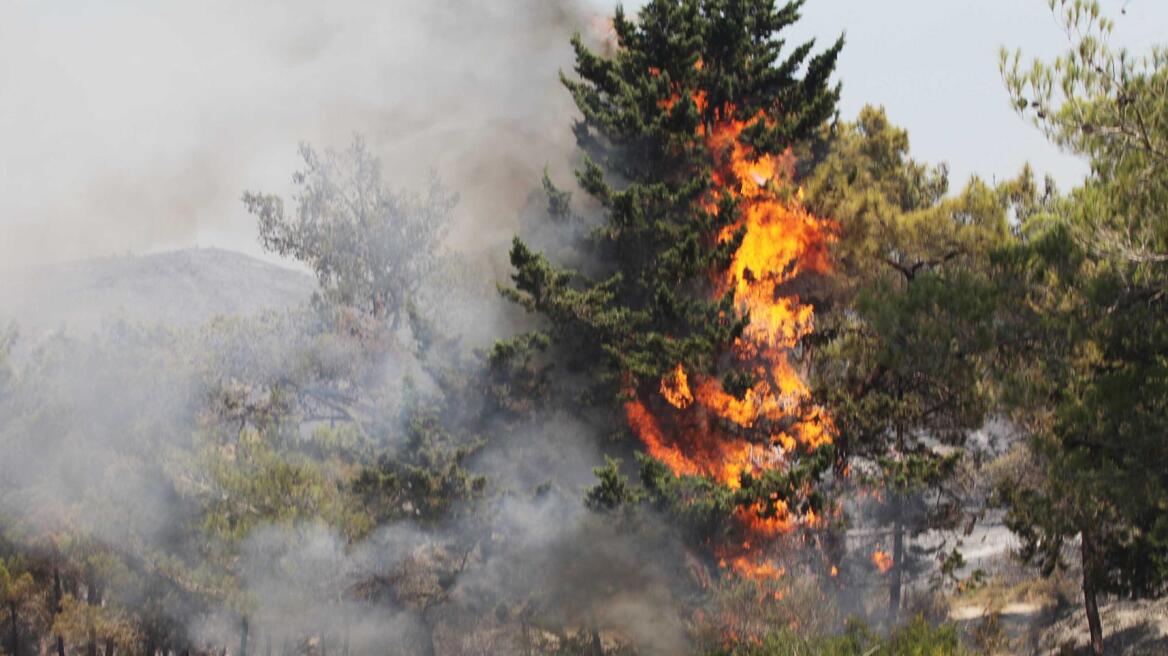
(178, 288)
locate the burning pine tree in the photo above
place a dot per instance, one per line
(692, 316)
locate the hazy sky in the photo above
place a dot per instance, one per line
(934, 65)
(134, 125)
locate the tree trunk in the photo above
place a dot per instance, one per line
(428, 648)
(597, 647)
(92, 597)
(109, 647)
(243, 637)
(57, 595)
(1090, 593)
(13, 636)
(428, 642)
(896, 575)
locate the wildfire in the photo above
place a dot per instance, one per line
(706, 429)
(675, 389)
(882, 560)
(763, 570)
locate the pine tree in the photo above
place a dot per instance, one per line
(658, 159)
(1089, 315)
(649, 168)
(905, 341)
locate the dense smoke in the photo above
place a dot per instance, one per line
(118, 440)
(195, 103)
(118, 430)
(122, 434)
(251, 461)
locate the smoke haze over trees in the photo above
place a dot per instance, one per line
(662, 355)
(168, 112)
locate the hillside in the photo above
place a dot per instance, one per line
(178, 288)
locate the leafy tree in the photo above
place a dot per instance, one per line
(380, 263)
(1089, 311)
(423, 481)
(1110, 107)
(252, 483)
(905, 337)
(80, 622)
(16, 589)
(374, 252)
(613, 490)
(369, 247)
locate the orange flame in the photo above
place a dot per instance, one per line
(675, 389)
(882, 560)
(764, 570)
(705, 429)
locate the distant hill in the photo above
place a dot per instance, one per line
(178, 288)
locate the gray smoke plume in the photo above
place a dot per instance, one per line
(133, 126)
(142, 126)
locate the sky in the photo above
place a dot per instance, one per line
(933, 64)
(133, 126)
